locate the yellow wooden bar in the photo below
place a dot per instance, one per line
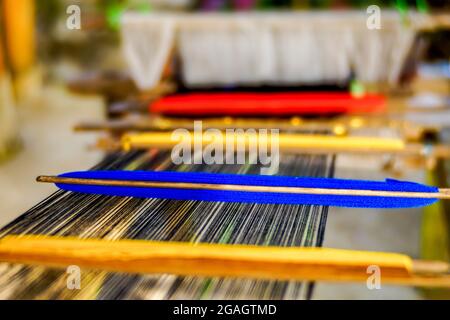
(286, 141)
(19, 23)
(218, 260)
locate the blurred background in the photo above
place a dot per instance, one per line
(63, 62)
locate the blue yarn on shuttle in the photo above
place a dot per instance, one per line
(253, 197)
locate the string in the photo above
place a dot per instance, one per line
(94, 216)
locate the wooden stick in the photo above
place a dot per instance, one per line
(441, 194)
(217, 260)
(287, 142)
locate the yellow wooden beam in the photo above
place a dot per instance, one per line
(218, 260)
(287, 141)
(19, 27)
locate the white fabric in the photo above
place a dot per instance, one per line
(261, 48)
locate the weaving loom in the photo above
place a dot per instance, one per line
(255, 51)
(216, 68)
(71, 214)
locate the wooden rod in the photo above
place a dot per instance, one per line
(218, 260)
(285, 141)
(441, 194)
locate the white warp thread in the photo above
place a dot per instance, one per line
(259, 48)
